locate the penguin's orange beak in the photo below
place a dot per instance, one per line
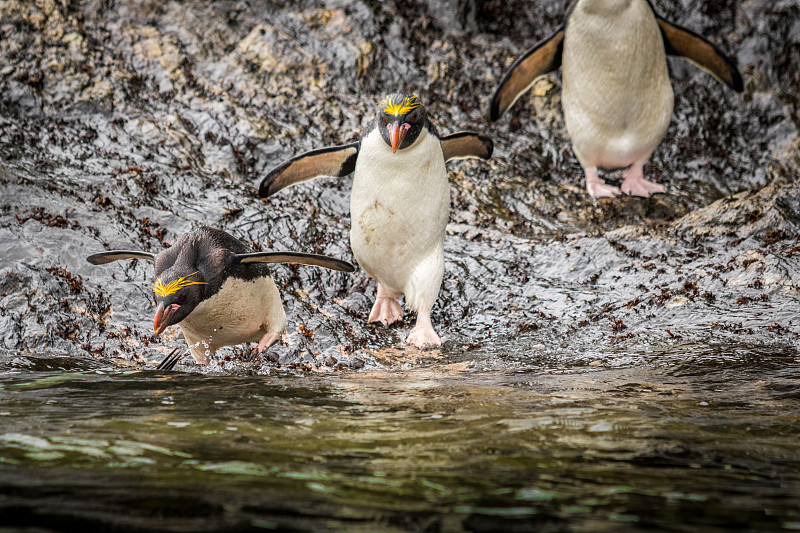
(163, 314)
(397, 133)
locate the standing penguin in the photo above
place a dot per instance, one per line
(399, 204)
(617, 96)
(218, 292)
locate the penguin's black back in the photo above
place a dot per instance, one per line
(210, 251)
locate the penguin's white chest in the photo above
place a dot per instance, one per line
(399, 207)
(241, 311)
(617, 96)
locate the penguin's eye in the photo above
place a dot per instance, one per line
(412, 119)
(385, 120)
(182, 299)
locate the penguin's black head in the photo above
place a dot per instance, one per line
(400, 120)
(178, 291)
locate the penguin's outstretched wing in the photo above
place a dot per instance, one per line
(685, 43)
(332, 161)
(118, 255)
(295, 257)
(544, 57)
(466, 144)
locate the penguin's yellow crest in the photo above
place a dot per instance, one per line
(165, 289)
(401, 107)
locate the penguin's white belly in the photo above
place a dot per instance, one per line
(399, 208)
(617, 96)
(242, 311)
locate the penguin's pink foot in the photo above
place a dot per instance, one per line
(268, 340)
(386, 310)
(636, 185)
(422, 334)
(422, 337)
(597, 188)
(201, 352)
(200, 359)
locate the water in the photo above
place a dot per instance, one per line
(692, 439)
(621, 365)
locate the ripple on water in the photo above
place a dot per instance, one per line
(601, 450)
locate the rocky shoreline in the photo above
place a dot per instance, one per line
(129, 123)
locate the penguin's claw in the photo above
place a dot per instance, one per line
(202, 361)
(423, 335)
(268, 340)
(634, 183)
(598, 189)
(641, 187)
(386, 310)
(198, 352)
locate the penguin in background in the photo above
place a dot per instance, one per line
(616, 93)
(399, 204)
(218, 291)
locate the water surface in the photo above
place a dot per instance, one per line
(691, 439)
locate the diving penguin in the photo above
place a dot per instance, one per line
(217, 291)
(399, 204)
(616, 94)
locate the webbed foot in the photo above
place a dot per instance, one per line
(386, 309)
(268, 340)
(597, 187)
(636, 185)
(422, 334)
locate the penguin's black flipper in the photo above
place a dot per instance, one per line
(466, 144)
(685, 43)
(544, 57)
(295, 257)
(118, 255)
(336, 161)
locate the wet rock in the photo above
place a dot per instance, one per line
(456, 16)
(356, 363)
(775, 208)
(126, 124)
(23, 98)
